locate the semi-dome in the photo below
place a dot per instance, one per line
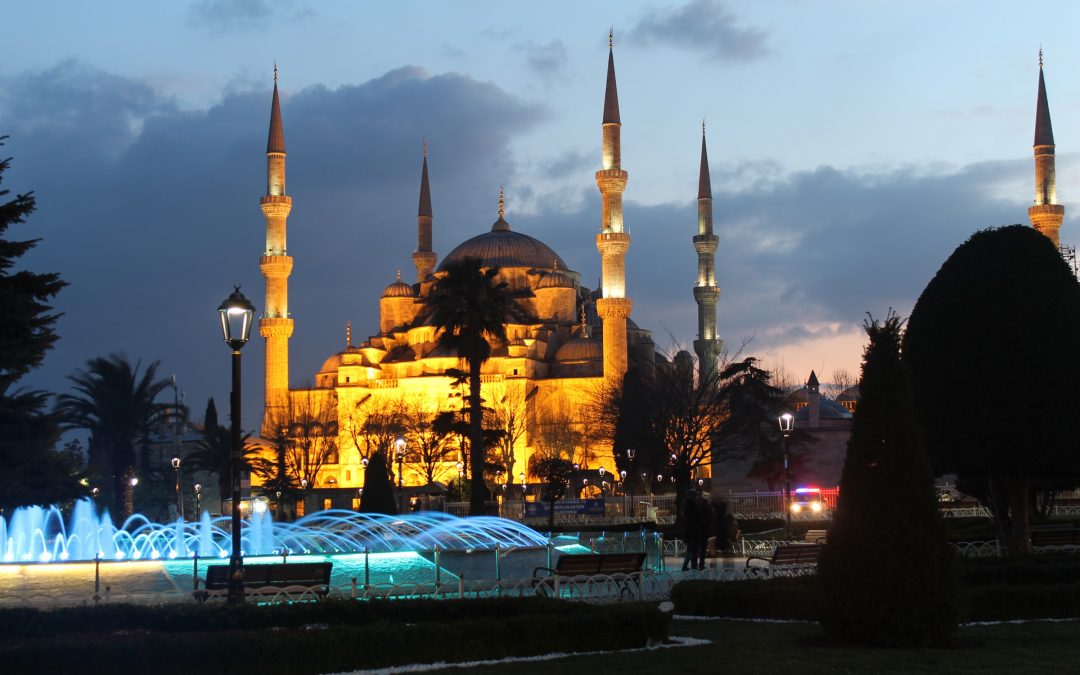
(351, 356)
(556, 279)
(502, 247)
(398, 289)
(581, 348)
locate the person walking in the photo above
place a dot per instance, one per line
(701, 534)
(691, 526)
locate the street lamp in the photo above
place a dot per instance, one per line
(235, 313)
(129, 494)
(787, 422)
(399, 447)
(521, 476)
(179, 497)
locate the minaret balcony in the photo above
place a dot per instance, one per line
(706, 295)
(706, 243)
(611, 180)
(276, 266)
(613, 243)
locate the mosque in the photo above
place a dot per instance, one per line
(564, 340)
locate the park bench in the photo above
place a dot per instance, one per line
(313, 577)
(623, 568)
(1056, 536)
(815, 536)
(789, 554)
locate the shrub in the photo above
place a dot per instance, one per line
(887, 575)
(793, 598)
(317, 638)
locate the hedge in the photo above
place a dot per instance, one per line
(315, 638)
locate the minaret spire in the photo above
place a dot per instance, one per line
(275, 325)
(1046, 213)
(423, 257)
(708, 346)
(612, 242)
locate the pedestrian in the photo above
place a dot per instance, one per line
(701, 534)
(691, 527)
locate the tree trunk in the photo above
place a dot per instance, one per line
(1020, 505)
(476, 442)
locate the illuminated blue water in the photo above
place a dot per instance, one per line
(39, 534)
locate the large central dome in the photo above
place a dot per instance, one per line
(502, 247)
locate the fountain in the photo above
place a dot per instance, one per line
(39, 534)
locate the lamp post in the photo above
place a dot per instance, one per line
(179, 497)
(235, 314)
(129, 498)
(399, 449)
(787, 421)
(522, 477)
(460, 480)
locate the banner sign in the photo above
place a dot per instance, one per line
(577, 507)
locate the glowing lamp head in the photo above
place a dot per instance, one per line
(134, 481)
(176, 463)
(399, 446)
(630, 454)
(236, 312)
(601, 472)
(787, 422)
(259, 506)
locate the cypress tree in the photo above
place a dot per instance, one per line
(378, 494)
(887, 574)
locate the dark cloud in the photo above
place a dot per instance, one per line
(567, 163)
(239, 15)
(151, 213)
(702, 25)
(548, 61)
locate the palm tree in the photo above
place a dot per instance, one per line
(469, 307)
(118, 406)
(213, 453)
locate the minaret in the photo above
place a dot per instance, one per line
(423, 257)
(276, 265)
(612, 242)
(708, 345)
(1046, 214)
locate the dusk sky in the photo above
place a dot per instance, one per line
(853, 146)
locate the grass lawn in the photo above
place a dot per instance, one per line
(745, 647)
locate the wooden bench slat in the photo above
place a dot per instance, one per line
(791, 554)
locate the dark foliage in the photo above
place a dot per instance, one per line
(799, 599)
(991, 345)
(118, 406)
(470, 306)
(33, 473)
(213, 452)
(378, 494)
(350, 635)
(790, 599)
(887, 574)
(555, 474)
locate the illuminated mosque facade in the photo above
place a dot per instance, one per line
(564, 340)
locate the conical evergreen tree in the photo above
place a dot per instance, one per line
(378, 494)
(887, 575)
